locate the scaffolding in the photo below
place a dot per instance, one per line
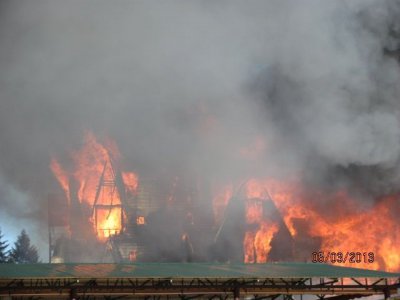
(194, 281)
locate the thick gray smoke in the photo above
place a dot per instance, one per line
(187, 85)
(332, 93)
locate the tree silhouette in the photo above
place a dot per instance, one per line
(3, 251)
(23, 251)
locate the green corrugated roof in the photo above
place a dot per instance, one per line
(186, 270)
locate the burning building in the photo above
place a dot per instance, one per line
(132, 219)
(248, 132)
(125, 216)
(115, 209)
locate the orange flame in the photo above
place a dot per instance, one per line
(373, 230)
(91, 162)
(61, 176)
(108, 222)
(254, 212)
(256, 242)
(248, 247)
(257, 245)
(262, 240)
(341, 222)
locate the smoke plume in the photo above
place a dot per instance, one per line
(226, 89)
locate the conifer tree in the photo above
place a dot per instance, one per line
(3, 250)
(23, 251)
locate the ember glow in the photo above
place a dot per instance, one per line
(92, 163)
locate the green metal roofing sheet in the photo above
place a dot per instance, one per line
(186, 270)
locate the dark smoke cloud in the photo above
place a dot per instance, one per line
(185, 85)
(332, 94)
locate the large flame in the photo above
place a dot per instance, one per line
(90, 163)
(257, 239)
(108, 222)
(257, 245)
(342, 223)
